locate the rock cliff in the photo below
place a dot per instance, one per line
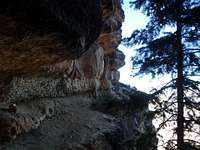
(59, 79)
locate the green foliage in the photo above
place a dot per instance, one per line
(159, 55)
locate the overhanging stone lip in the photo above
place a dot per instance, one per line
(40, 72)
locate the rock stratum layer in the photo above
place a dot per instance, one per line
(59, 79)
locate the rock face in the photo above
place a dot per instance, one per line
(111, 121)
(59, 79)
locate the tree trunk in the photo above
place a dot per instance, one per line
(180, 82)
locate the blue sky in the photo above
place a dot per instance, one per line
(135, 20)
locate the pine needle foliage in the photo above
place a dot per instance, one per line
(176, 53)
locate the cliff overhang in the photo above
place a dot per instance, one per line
(59, 78)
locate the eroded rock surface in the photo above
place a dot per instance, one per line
(109, 122)
(30, 88)
(59, 79)
(27, 116)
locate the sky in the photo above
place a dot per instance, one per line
(135, 20)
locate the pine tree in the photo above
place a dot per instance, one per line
(176, 53)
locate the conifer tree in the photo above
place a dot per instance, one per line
(176, 53)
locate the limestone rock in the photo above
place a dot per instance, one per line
(27, 50)
(28, 116)
(113, 15)
(117, 60)
(112, 19)
(29, 88)
(29, 54)
(110, 41)
(59, 78)
(79, 19)
(89, 65)
(115, 76)
(51, 34)
(113, 62)
(85, 123)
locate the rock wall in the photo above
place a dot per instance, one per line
(59, 79)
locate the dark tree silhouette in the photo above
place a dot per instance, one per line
(176, 53)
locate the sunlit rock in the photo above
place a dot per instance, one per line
(110, 41)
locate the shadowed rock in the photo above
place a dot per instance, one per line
(59, 78)
(28, 116)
